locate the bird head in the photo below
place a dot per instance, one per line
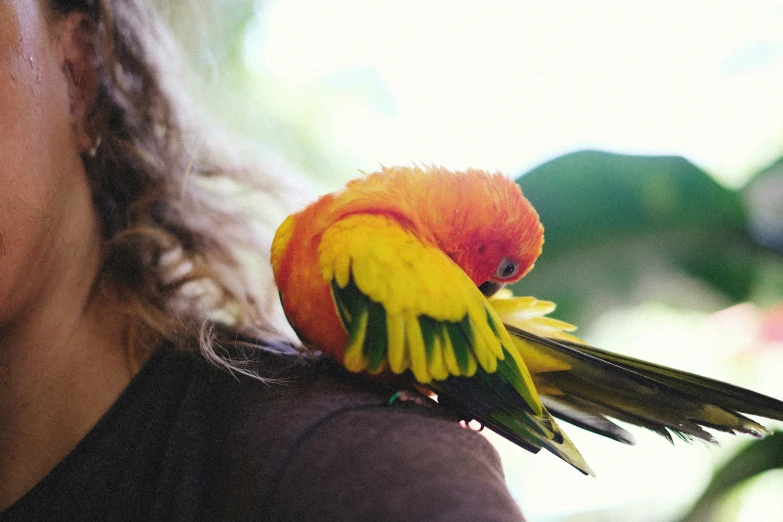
(485, 224)
(479, 219)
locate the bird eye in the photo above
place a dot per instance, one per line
(506, 269)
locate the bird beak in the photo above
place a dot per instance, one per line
(490, 288)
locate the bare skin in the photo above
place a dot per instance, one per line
(62, 356)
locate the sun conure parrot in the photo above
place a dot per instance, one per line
(394, 275)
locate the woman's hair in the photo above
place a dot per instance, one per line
(179, 255)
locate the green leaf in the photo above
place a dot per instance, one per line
(621, 229)
(763, 196)
(587, 195)
(755, 458)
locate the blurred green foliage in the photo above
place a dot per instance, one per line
(751, 461)
(621, 230)
(625, 229)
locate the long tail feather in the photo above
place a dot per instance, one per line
(727, 395)
(583, 414)
(601, 384)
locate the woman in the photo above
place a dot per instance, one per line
(122, 278)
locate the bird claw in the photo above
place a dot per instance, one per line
(466, 421)
(409, 396)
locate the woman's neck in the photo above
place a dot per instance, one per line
(63, 363)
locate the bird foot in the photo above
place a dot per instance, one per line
(409, 396)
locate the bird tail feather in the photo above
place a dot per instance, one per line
(598, 385)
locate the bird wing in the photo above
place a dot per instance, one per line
(407, 306)
(586, 386)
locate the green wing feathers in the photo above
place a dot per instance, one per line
(440, 355)
(491, 400)
(379, 341)
(432, 349)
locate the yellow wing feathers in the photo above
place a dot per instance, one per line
(393, 267)
(530, 314)
(431, 318)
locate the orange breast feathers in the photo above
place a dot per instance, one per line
(475, 218)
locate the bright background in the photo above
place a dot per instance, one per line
(330, 88)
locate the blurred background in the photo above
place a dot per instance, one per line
(646, 134)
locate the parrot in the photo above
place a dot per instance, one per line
(402, 273)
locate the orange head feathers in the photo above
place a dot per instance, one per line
(481, 220)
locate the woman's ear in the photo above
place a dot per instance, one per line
(74, 33)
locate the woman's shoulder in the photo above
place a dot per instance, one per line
(308, 440)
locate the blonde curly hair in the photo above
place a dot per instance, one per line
(186, 262)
